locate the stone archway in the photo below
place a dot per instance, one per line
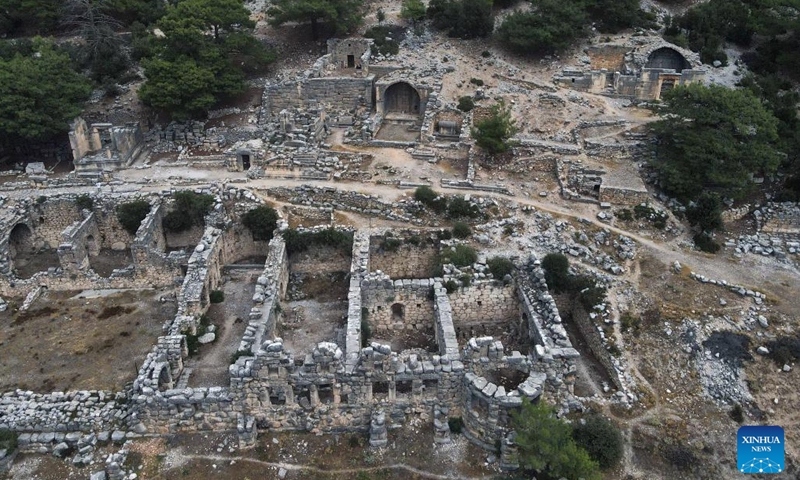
(164, 378)
(20, 240)
(402, 98)
(667, 58)
(398, 311)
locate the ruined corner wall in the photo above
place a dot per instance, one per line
(270, 287)
(381, 297)
(485, 302)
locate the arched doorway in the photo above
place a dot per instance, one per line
(667, 58)
(398, 311)
(20, 240)
(164, 379)
(401, 98)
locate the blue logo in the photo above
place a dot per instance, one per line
(760, 449)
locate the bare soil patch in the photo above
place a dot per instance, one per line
(65, 342)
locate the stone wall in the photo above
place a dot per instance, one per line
(485, 302)
(623, 196)
(75, 247)
(397, 305)
(406, 261)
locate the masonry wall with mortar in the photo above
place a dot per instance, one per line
(407, 261)
(397, 305)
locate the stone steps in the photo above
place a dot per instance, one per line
(183, 381)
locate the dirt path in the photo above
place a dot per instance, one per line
(210, 367)
(308, 468)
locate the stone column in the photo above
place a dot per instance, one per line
(378, 434)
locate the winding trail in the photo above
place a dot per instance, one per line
(297, 467)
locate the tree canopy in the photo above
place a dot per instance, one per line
(493, 133)
(188, 70)
(40, 93)
(553, 26)
(462, 18)
(413, 10)
(545, 444)
(712, 137)
(341, 16)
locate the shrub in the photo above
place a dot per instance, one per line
(493, 134)
(261, 221)
(190, 210)
(84, 202)
(465, 103)
(302, 241)
(384, 44)
(463, 256)
(216, 296)
(628, 321)
(476, 81)
(239, 354)
(737, 414)
(425, 195)
(466, 280)
(601, 439)
(8, 440)
(556, 271)
(625, 215)
(457, 207)
(705, 243)
(706, 213)
(461, 230)
(131, 214)
(391, 244)
(456, 424)
(451, 286)
(681, 457)
(486, 54)
(554, 26)
(445, 235)
(500, 267)
(462, 18)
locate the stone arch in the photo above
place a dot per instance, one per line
(164, 378)
(667, 58)
(20, 240)
(398, 311)
(401, 97)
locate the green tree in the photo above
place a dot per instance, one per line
(553, 26)
(190, 209)
(261, 221)
(340, 15)
(40, 93)
(131, 11)
(493, 133)
(29, 16)
(412, 10)
(545, 444)
(462, 18)
(600, 438)
(188, 71)
(613, 16)
(713, 137)
(706, 213)
(556, 271)
(131, 214)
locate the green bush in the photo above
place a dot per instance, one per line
(8, 440)
(131, 214)
(261, 221)
(425, 195)
(476, 81)
(601, 439)
(556, 271)
(451, 286)
(457, 207)
(463, 256)
(216, 296)
(625, 215)
(493, 133)
(465, 103)
(705, 243)
(84, 202)
(190, 209)
(461, 230)
(462, 18)
(391, 244)
(384, 44)
(500, 267)
(466, 280)
(706, 213)
(628, 321)
(330, 237)
(737, 414)
(456, 424)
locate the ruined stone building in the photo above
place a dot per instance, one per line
(408, 346)
(99, 148)
(643, 72)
